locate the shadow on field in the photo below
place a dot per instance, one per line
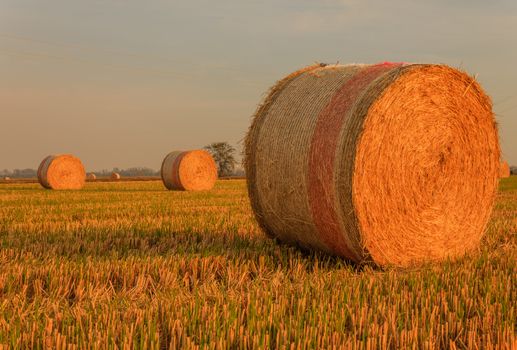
(5, 187)
(134, 244)
(81, 191)
(121, 190)
(330, 261)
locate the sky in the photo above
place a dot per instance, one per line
(121, 83)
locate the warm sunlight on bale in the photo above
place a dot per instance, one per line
(115, 176)
(191, 171)
(61, 172)
(392, 163)
(504, 170)
(91, 177)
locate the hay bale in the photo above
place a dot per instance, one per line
(115, 176)
(395, 164)
(61, 172)
(91, 177)
(7, 178)
(504, 170)
(190, 170)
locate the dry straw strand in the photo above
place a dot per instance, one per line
(368, 162)
(504, 170)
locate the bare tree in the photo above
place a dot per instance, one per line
(224, 156)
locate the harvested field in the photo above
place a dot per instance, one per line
(128, 264)
(20, 181)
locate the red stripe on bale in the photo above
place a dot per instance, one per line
(322, 159)
(40, 176)
(176, 172)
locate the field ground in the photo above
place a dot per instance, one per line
(130, 265)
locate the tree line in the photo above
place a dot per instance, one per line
(222, 152)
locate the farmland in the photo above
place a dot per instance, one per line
(130, 265)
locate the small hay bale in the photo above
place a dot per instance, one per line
(7, 178)
(395, 164)
(61, 172)
(115, 176)
(92, 177)
(504, 170)
(189, 171)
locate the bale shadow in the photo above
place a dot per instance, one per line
(128, 244)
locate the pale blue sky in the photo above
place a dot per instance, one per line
(120, 83)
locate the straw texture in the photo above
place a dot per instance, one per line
(61, 172)
(189, 171)
(391, 163)
(504, 170)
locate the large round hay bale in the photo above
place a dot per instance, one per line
(190, 170)
(394, 164)
(92, 177)
(115, 176)
(504, 170)
(61, 172)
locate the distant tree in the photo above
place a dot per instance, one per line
(24, 173)
(138, 171)
(129, 172)
(224, 156)
(239, 171)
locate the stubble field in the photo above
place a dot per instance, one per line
(129, 265)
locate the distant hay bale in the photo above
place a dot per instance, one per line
(7, 178)
(92, 176)
(191, 171)
(61, 172)
(504, 170)
(395, 164)
(115, 176)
